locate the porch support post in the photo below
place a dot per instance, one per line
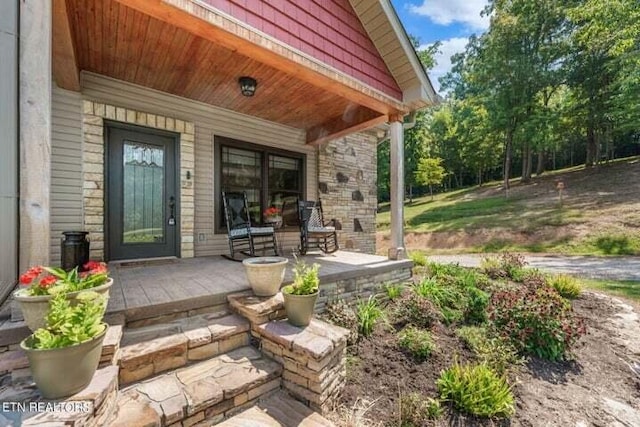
(35, 131)
(396, 131)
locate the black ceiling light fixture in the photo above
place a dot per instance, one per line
(247, 85)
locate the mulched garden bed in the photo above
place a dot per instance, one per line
(547, 393)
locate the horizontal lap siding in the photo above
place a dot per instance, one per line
(208, 121)
(66, 166)
(327, 30)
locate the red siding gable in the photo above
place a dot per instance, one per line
(328, 30)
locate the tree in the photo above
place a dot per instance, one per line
(430, 172)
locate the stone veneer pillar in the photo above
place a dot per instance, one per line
(35, 131)
(347, 187)
(93, 115)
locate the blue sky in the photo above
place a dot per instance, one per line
(450, 21)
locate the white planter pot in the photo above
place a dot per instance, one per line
(265, 274)
(35, 308)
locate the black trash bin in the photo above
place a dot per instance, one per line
(74, 249)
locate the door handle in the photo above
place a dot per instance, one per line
(172, 206)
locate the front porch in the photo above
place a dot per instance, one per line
(168, 289)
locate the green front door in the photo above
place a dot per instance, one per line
(141, 202)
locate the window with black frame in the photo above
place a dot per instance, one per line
(271, 178)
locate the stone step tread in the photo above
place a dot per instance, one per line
(212, 386)
(199, 330)
(277, 410)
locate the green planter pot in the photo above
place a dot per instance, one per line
(61, 372)
(35, 308)
(299, 308)
(265, 274)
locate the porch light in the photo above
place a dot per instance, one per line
(247, 85)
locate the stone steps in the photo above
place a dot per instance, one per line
(151, 350)
(213, 389)
(276, 410)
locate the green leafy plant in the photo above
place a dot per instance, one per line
(305, 279)
(476, 309)
(340, 313)
(69, 324)
(477, 390)
(567, 286)
(505, 266)
(418, 342)
(414, 309)
(535, 320)
(368, 313)
(419, 259)
(495, 352)
(416, 410)
(48, 280)
(393, 290)
(447, 298)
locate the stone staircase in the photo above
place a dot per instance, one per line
(240, 369)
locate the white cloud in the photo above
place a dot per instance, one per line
(448, 48)
(446, 12)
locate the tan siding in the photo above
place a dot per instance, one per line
(66, 167)
(208, 121)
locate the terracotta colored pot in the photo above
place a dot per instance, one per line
(35, 308)
(61, 372)
(265, 274)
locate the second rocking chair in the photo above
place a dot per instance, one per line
(314, 231)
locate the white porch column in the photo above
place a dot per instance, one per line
(35, 131)
(396, 251)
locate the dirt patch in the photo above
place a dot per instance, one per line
(597, 388)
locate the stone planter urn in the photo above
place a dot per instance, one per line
(265, 274)
(62, 372)
(299, 308)
(35, 308)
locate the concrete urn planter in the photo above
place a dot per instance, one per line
(265, 274)
(299, 308)
(35, 308)
(62, 372)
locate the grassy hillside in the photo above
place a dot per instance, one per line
(600, 214)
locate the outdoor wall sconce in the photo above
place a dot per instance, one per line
(248, 85)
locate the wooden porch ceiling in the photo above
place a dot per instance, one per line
(109, 38)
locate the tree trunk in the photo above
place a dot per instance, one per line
(431, 191)
(541, 162)
(526, 163)
(506, 170)
(591, 147)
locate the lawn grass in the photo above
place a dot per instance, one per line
(623, 288)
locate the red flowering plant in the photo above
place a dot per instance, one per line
(48, 280)
(271, 212)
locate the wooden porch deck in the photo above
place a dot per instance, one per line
(162, 288)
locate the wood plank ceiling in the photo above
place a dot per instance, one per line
(122, 43)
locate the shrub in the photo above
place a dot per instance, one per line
(477, 390)
(417, 342)
(536, 320)
(567, 286)
(393, 291)
(446, 297)
(507, 265)
(412, 308)
(416, 409)
(419, 259)
(477, 302)
(340, 313)
(368, 313)
(495, 352)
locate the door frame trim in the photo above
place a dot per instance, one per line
(110, 124)
(93, 115)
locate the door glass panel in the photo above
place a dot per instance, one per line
(143, 193)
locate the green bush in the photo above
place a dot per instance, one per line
(477, 390)
(567, 286)
(495, 352)
(446, 297)
(340, 313)
(416, 410)
(535, 320)
(419, 259)
(416, 310)
(476, 310)
(417, 342)
(368, 313)
(505, 266)
(393, 291)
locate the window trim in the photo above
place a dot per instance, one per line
(219, 142)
